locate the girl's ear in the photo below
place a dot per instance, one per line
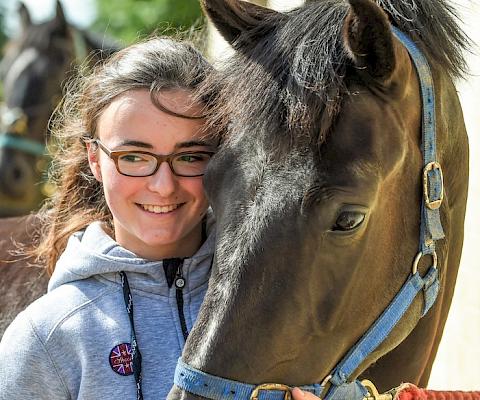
(93, 161)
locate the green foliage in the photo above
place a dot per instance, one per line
(128, 20)
(3, 40)
(3, 37)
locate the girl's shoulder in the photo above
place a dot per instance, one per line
(57, 309)
(48, 342)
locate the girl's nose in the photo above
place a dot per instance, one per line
(163, 182)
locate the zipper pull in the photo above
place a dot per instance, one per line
(179, 279)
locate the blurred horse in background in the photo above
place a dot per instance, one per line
(35, 65)
(33, 68)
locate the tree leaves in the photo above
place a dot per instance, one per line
(129, 20)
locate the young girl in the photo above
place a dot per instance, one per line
(127, 236)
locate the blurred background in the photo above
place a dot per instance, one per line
(457, 366)
(125, 20)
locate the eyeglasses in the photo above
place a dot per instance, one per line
(143, 163)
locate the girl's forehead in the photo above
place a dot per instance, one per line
(133, 117)
(180, 101)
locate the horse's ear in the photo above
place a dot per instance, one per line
(60, 16)
(233, 17)
(25, 19)
(369, 40)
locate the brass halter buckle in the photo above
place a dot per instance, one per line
(272, 386)
(432, 204)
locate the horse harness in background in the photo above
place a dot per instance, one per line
(14, 130)
(213, 387)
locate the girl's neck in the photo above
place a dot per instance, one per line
(183, 248)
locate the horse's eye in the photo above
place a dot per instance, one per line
(348, 220)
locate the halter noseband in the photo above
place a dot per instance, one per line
(212, 387)
(14, 123)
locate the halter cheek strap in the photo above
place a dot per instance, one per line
(212, 387)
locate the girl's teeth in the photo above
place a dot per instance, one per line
(159, 209)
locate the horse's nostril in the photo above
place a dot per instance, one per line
(17, 174)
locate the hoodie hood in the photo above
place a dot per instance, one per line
(93, 253)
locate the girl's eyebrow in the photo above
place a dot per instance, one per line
(187, 144)
(193, 143)
(135, 143)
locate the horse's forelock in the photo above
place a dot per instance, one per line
(41, 35)
(289, 77)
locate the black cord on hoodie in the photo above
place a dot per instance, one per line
(136, 355)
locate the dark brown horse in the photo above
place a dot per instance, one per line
(33, 69)
(317, 189)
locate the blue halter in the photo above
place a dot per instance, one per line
(212, 387)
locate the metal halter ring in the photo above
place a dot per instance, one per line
(272, 386)
(417, 260)
(324, 383)
(373, 392)
(432, 204)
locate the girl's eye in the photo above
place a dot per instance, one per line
(132, 158)
(348, 220)
(191, 158)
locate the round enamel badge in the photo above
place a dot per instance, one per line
(121, 359)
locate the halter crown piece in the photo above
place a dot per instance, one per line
(212, 387)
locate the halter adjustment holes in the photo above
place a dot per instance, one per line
(348, 220)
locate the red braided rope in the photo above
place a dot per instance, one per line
(411, 392)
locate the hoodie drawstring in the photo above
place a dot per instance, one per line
(136, 355)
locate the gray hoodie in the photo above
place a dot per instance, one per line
(73, 343)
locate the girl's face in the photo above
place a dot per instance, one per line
(158, 216)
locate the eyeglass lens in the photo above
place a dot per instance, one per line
(183, 164)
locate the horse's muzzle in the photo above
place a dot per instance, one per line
(17, 174)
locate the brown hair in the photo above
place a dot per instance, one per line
(156, 64)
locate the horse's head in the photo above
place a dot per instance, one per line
(316, 188)
(33, 67)
(30, 71)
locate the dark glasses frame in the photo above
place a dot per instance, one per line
(116, 154)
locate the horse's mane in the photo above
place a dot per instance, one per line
(295, 72)
(433, 24)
